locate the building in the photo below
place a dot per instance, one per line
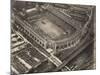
(52, 29)
(57, 33)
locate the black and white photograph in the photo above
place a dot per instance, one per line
(52, 37)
